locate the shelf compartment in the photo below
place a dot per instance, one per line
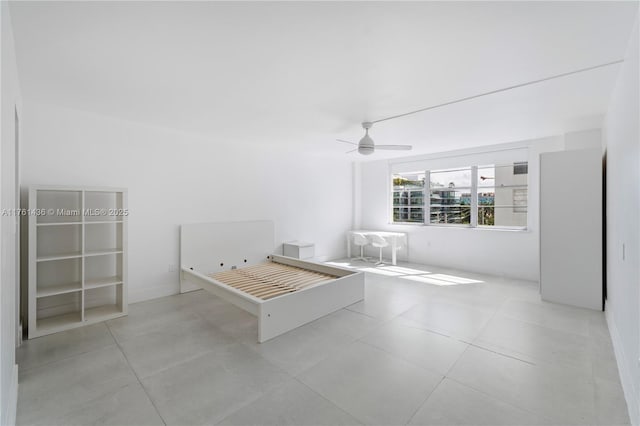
(59, 241)
(58, 312)
(62, 276)
(94, 253)
(103, 302)
(102, 282)
(100, 222)
(103, 237)
(103, 206)
(61, 206)
(59, 289)
(101, 271)
(57, 323)
(61, 256)
(102, 313)
(58, 223)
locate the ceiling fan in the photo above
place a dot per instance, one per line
(366, 145)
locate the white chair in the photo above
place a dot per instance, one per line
(379, 242)
(360, 240)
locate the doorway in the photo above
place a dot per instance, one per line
(18, 218)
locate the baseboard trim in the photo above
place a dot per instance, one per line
(626, 378)
(9, 412)
(148, 293)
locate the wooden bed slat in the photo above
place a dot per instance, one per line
(268, 280)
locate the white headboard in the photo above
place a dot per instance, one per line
(214, 247)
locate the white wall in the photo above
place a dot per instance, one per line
(176, 178)
(500, 252)
(8, 277)
(622, 144)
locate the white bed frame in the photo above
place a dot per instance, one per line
(207, 248)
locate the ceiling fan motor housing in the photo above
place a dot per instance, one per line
(365, 150)
(366, 146)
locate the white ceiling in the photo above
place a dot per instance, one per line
(300, 74)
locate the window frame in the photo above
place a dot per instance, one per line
(474, 188)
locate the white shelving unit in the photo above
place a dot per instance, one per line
(77, 263)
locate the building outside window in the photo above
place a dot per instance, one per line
(450, 196)
(408, 197)
(476, 196)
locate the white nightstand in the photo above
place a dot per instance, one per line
(298, 249)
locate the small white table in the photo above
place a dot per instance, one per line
(395, 239)
(298, 249)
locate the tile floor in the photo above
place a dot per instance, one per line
(426, 346)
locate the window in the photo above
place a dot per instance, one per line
(483, 196)
(450, 196)
(408, 197)
(502, 195)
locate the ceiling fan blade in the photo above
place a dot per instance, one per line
(395, 147)
(353, 150)
(343, 141)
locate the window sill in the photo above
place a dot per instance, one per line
(502, 228)
(478, 228)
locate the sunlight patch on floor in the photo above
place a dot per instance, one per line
(454, 279)
(381, 271)
(404, 271)
(440, 279)
(342, 264)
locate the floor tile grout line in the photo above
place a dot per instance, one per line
(136, 375)
(99, 397)
(425, 400)
(252, 400)
(394, 356)
(28, 369)
(543, 326)
(509, 403)
(493, 396)
(482, 330)
(446, 375)
(358, 312)
(329, 355)
(351, 342)
(502, 354)
(328, 400)
(472, 344)
(484, 327)
(65, 358)
(392, 317)
(426, 328)
(178, 364)
(255, 351)
(383, 323)
(494, 347)
(233, 341)
(434, 372)
(183, 360)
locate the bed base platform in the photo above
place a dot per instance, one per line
(279, 311)
(283, 293)
(270, 279)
